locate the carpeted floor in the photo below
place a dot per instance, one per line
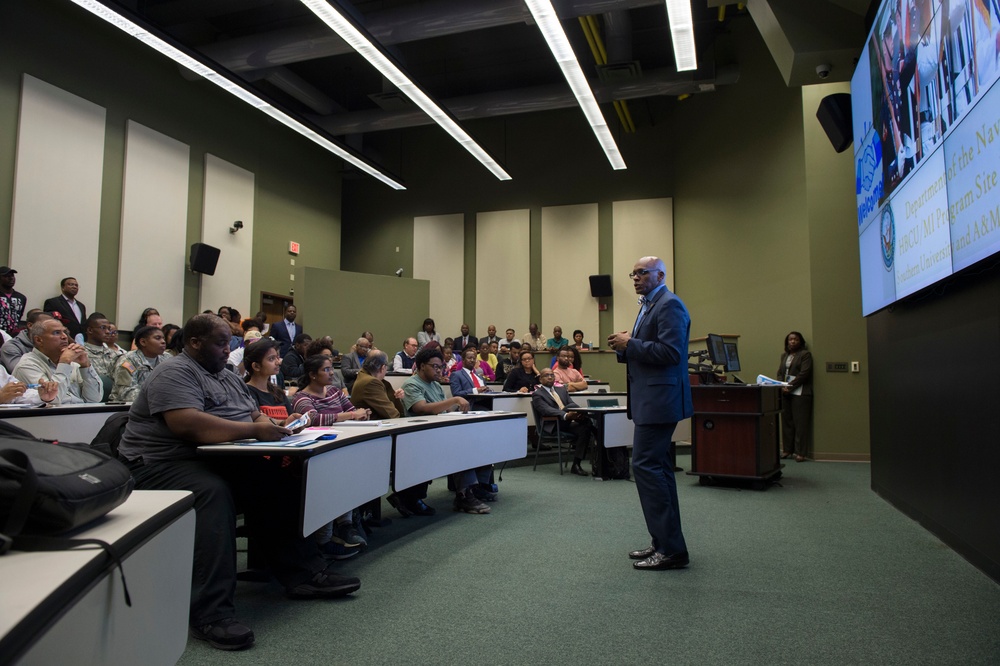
(818, 570)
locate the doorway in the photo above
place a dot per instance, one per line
(273, 305)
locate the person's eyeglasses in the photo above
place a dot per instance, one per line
(641, 272)
(437, 366)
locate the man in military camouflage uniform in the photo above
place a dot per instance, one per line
(102, 359)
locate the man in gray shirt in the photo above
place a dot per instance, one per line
(56, 359)
(192, 400)
(12, 350)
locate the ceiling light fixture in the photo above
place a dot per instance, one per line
(368, 48)
(552, 30)
(682, 34)
(231, 86)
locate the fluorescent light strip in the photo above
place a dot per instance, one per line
(370, 52)
(552, 30)
(185, 60)
(682, 34)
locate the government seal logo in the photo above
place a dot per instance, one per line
(887, 236)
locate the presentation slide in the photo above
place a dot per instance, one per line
(923, 235)
(972, 158)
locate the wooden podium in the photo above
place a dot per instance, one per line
(734, 433)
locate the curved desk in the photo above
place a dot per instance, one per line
(69, 423)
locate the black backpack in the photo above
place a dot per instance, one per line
(47, 488)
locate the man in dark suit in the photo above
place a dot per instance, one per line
(467, 382)
(284, 331)
(466, 339)
(551, 400)
(659, 395)
(66, 308)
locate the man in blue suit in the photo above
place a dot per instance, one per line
(659, 395)
(284, 331)
(468, 381)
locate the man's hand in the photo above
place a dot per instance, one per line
(619, 341)
(399, 393)
(268, 431)
(48, 391)
(79, 354)
(523, 389)
(462, 403)
(11, 392)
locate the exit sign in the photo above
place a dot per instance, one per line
(293, 247)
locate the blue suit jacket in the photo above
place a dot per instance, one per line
(279, 331)
(658, 387)
(461, 384)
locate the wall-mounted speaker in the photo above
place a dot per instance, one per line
(834, 115)
(600, 286)
(204, 258)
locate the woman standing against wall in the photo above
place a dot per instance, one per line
(796, 400)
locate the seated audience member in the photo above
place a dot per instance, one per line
(149, 317)
(451, 361)
(485, 371)
(113, 339)
(251, 334)
(193, 400)
(21, 344)
(566, 374)
(510, 338)
(491, 335)
(15, 392)
(534, 339)
(507, 360)
(262, 365)
(578, 342)
(524, 378)
(325, 404)
(102, 359)
(557, 341)
(465, 339)
(175, 343)
(351, 362)
(317, 394)
(427, 334)
(12, 302)
(55, 358)
(467, 381)
(372, 391)
(324, 346)
(402, 362)
(291, 363)
(551, 400)
(236, 334)
(134, 368)
(487, 356)
(423, 396)
(367, 335)
(169, 330)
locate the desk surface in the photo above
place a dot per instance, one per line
(39, 587)
(352, 434)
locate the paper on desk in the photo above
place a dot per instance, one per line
(468, 413)
(767, 381)
(367, 424)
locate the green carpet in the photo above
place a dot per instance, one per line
(818, 570)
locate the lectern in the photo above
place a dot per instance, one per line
(734, 433)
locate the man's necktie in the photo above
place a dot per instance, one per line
(559, 402)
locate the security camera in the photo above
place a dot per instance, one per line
(399, 272)
(237, 225)
(823, 71)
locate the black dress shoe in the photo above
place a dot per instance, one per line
(398, 505)
(576, 469)
(641, 554)
(541, 447)
(420, 508)
(659, 561)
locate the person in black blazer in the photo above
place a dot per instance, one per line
(795, 368)
(284, 331)
(465, 339)
(659, 395)
(576, 424)
(61, 307)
